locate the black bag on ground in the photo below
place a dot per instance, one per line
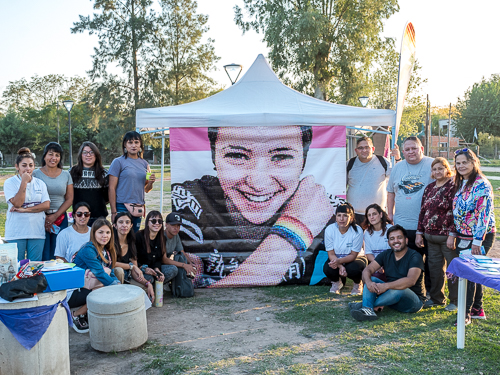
(182, 286)
(23, 288)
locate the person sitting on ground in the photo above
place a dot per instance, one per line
(71, 239)
(374, 238)
(344, 242)
(174, 245)
(97, 258)
(126, 267)
(404, 289)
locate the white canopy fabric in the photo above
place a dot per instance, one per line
(260, 99)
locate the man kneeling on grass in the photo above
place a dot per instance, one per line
(404, 290)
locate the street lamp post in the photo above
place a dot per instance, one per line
(68, 104)
(233, 72)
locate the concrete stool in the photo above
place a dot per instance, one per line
(117, 318)
(50, 355)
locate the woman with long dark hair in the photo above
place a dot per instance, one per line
(474, 219)
(126, 267)
(344, 242)
(60, 187)
(27, 199)
(128, 180)
(97, 258)
(90, 181)
(376, 224)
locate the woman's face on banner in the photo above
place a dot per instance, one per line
(259, 168)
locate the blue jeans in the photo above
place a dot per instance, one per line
(136, 221)
(405, 300)
(50, 241)
(168, 270)
(34, 248)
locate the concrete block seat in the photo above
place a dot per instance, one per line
(117, 318)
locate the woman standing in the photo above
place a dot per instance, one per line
(128, 180)
(60, 188)
(435, 222)
(344, 242)
(474, 220)
(90, 181)
(126, 266)
(151, 251)
(97, 258)
(27, 199)
(376, 224)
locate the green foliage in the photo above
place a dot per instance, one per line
(479, 109)
(323, 47)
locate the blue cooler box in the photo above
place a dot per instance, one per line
(65, 279)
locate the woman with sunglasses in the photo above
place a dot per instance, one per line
(71, 239)
(60, 187)
(474, 220)
(126, 267)
(152, 253)
(90, 181)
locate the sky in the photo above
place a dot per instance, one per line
(455, 40)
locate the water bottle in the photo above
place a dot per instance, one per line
(158, 293)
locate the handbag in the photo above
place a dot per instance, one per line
(59, 220)
(92, 282)
(23, 288)
(136, 210)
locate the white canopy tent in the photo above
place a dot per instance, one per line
(260, 99)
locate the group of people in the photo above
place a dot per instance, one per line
(433, 214)
(400, 225)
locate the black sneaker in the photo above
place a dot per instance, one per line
(364, 313)
(80, 324)
(355, 305)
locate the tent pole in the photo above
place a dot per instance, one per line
(162, 172)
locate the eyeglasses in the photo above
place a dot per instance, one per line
(80, 214)
(154, 221)
(363, 148)
(89, 153)
(462, 151)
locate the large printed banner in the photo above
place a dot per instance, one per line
(255, 200)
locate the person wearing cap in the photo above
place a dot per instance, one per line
(173, 223)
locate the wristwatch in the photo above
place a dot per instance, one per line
(131, 265)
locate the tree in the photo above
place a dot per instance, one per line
(317, 43)
(479, 109)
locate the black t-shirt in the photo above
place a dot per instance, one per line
(152, 259)
(90, 191)
(397, 269)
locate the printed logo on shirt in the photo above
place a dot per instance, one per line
(410, 184)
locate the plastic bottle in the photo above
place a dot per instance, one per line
(158, 293)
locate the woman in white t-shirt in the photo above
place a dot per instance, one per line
(344, 242)
(27, 200)
(375, 240)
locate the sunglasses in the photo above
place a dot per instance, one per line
(80, 214)
(462, 151)
(154, 221)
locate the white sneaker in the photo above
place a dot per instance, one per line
(336, 286)
(357, 289)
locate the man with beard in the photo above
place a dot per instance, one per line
(404, 289)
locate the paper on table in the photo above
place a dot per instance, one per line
(34, 298)
(58, 267)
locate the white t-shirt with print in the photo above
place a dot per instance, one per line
(24, 225)
(343, 244)
(376, 242)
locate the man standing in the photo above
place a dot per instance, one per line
(367, 176)
(174, 245)
(404, 289)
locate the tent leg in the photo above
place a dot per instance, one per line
(162, 172)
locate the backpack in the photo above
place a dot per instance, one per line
(182, 286)
(380, 159)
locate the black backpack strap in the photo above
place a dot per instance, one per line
(382, 161)
(350, 164)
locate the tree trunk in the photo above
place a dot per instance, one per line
(134, 58)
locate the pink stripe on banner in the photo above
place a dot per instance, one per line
(328, 136)
(196, 139)
(189, 139)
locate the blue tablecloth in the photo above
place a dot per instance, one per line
(466, 270)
